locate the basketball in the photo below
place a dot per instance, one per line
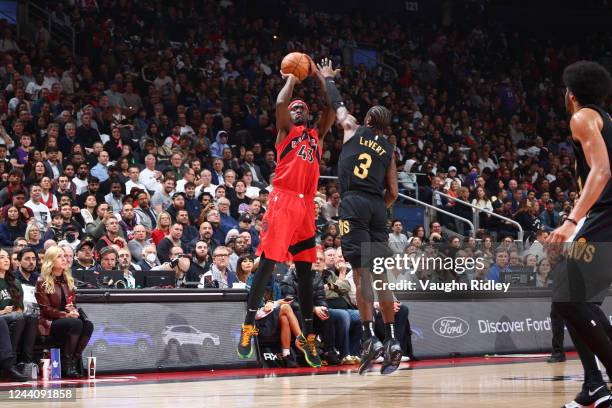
(297, 64)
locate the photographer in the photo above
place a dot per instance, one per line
(182, 266)
(59, 316)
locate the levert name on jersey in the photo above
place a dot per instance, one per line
(372, 145)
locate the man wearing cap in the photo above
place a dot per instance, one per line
(216, 149)
(452, 176)
(84, 256)
(245, 224)
(71, 237)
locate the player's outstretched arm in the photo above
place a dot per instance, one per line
(343, 117)
(328, 116)
(586, 127)
(391, 188)
(283, 117)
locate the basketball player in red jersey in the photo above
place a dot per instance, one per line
(288, 230)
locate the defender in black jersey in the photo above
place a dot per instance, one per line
(368, 186)
(580, 287)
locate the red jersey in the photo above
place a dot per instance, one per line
(298, 156)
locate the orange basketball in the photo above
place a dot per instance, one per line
(297, 64)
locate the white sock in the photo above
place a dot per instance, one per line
(286, 352)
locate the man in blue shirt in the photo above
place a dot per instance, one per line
(100, 170)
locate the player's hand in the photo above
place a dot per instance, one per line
(326, 69)
(268, 307)
(561, 234)
(396, 306)
(290, 77)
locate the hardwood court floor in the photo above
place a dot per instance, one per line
(524, 384)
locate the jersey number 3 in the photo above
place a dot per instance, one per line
(306, 154)
(365, 161)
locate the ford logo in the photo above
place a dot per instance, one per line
(450, 327)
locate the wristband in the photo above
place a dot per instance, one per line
(573, 221)
(334, 95)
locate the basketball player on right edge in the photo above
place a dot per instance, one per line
(368, 184)
(580, 287)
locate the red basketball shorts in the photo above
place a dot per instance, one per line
(288, 228)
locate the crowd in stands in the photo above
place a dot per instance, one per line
(152, 146)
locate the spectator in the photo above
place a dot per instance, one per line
(173, 239)
(59, 316)
(12, 227)
(550, 217)
(162, 199)
(201, 255)
(85, 260)
(163, 227)
(27, 274)
(330, 208)
(138, 242)
(100, 170)
(33, 236)
(41, 212)
(125, 265)
(149, 258)
(397, 241)
(543, 274)
(23, 326)
(501, 265)
(112, 234)
(146, 215)
(222, 276)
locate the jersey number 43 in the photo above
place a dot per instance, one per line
(306, 153)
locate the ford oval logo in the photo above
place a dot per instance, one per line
(450, 327)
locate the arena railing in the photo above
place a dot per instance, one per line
(520, 234)
(426, 205)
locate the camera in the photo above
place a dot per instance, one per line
(174, 262)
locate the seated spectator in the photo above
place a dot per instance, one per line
(245, 268)
(550, 217)
(108, 259)
(12, 227)
(33, 236)
(501, 265)
(125, 265)
(84, 256)
(543, 279)
(95, 228)
(201, 255)
(41, 212)
(162, 199)
(22, 326)
(138, 242)
(128, 221)
(397, 241)
(322, 321)
(220, 273)
(330, 208)
(59, 316)
(341, 308)
(7, 357)
(146, 215)
(149, 258)
(112, 235)
(163, 227)
(173, 239)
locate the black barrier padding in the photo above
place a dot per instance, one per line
(162, 336)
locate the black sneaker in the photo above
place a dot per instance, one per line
(589, 395)
(308, 346)
(371, 349)
(289, 361)
(245, 347)
(393, 356)
(556, 358)
(332, 357)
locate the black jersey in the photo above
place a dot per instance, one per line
(582, 168)
(363, 162)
